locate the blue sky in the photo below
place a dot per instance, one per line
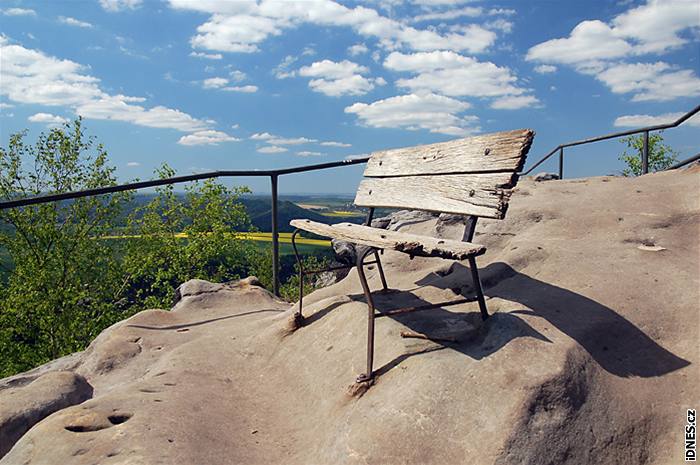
(212, 84)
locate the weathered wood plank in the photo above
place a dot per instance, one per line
(501, 151)
(413, 244)
(484, 195)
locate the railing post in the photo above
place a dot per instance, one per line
(275, 239)
(645, 153)
(561, 163)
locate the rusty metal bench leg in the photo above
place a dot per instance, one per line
(381, 270)
(367, 375)
(298, 316)
(477, 287)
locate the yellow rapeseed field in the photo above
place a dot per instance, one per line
(284, 237)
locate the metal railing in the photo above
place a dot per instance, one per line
(645, 146)
(272, 174)
(275, 174)
(687, 161)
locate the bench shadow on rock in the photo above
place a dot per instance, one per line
(438, 324)
(484, 339)
(202, 322)
(615, 343)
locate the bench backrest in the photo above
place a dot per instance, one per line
(472, 176)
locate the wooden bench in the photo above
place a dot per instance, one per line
(472, 177)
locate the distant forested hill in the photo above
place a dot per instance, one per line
(260, 210)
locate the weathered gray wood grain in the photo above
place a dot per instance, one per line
(484, 195)
(501, 151)
(412, 244)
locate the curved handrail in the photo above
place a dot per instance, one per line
(272, 174)
(657, 127)
(682, 163)
(175, 180)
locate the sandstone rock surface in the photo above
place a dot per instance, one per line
(33, 399)
(590, 356)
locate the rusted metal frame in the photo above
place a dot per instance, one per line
(381, 270)
(368, 218)
(478, 297)
(477, 287)
(469, 231)
(420, 308)
(469, 228)
(334, 267)
(372, 314)
(301, 272)
(369, 373)
(298, 316)
(368, 222)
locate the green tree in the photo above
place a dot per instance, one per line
(259, 264)
(661, 156)
(60, 287)
(175, 238)
(74, 267)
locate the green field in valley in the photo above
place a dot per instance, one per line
(263, 240)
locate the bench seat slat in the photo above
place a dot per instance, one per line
(413, 244)
(484, 195)
(501, 151)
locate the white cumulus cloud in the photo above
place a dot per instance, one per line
(208, 56)
(514, 102)
(206, 137)
(545, 69)
(339, 78)
(468, 11)
(214, 83)
(262, 136)
(335, 144)
(656, 26)
(290, 141)
(454, 75)
(602, 49)
(220, 83)
(632, 121)
(658, 81)
(18, 12)
(74, 22)
(328, 69)
(283, 70)
(237, 75)
(249, 89)
(589, 41)
(435, 113)
(278, 140)
(271, 149)
(243, 26)
(357, 49)
(32, 77)
(308, 153)
(120, 5)
(47, 118)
